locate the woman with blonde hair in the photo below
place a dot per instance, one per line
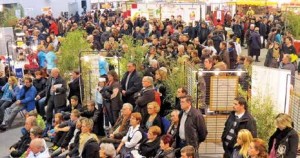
(153, 118)
(257, 149)
(160, 86)
(9, 90)
(242, 145)
(284, 142)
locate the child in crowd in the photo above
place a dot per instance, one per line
(58, 119)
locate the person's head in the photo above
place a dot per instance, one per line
(87, 125)
(258, 149)
(112, 76)
(79, 122)
(55, 72)
(153, 132)
(286, 59)
(126, 109)
(38, 75)
(160, 75)
(147, 81)
(30, 122)
(283, 121)
(288, 40)
(75, 74)
(75, 114)
(36, 132)
(240, 105)
(181, 48)
(27, 81)
(187, 152)
(223, 45)
(210, 42)
(74, 101)
(135, 119)
(37, 145)
(154, 63)
(166, 141)
(181, 92)
(58, 118)
(186, 102)
(208, 63)
(107, 150)
(248, 61)
(243, 140)
(131, 67)
(32, 113)
(91, 105)
(12, 80)
(153, 108)
(175, 116)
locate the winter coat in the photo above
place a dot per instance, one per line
(27, 95)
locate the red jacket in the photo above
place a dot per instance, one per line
(53, 28)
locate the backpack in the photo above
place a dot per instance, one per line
(157, 97)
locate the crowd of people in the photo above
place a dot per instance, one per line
(129, 117)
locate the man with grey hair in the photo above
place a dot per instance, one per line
(153, 66)
(145, 96)
(107, 150)
(38, 149)
(120, 129)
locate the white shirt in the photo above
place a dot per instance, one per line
(44, 154)
(135, 135)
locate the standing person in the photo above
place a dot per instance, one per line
(284, 142)
(238, 119)
(114, 99)
(145, 96)
(257, 149)
(273, 56)
(131, 84)
(76, 86)
(181, 92)
(255, 44)
(286, 64)
(24, 99)
(51, 58)
(242, 145)
(55, 93)
(40, 84)
(224, 55)
(192, 129)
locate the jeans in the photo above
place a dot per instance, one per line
(3, 106)
(41, 106)
(11, 113)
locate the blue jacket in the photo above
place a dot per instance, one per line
(9, 95)
(28, 100)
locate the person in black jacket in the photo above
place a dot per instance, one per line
(131, 84)
(76, 86)
(93, 113)
(22, 145)
(239, 119)
(181, 92)
(40, 84)
(284, 141)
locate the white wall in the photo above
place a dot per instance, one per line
(270, 82)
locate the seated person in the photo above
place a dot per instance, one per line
(150, 145)
(119, 130)
(65, 127)
(37, 149)
(25, 99)
(166, 150)
(58, 119)
(40, 122)
(93, 113)
(107, 150)
(88, 144)
(188, 152)
(134, 136)
(74, 104)
(9, 90)
(35, 132)
(153, 118)
(21, 146)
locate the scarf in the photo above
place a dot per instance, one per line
(84, 138)
(276, 53)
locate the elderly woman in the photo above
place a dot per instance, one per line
(166, 150)
(153, 118)
(107, 150)
(9, 93)
(88, 142)
(112, 99)
(150, 145)
(284, 142)
(134, 136)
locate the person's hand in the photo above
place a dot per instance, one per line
(63, 149)
(111, 136)
(271, 46)
(53, 88)
(12, 149)
(118, 150)
(38, 97)
(18, 102)
(124, 92)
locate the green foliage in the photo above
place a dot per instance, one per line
(175, 79)
(8, 17)
(293, 22)
(68, 59)
(262, 109)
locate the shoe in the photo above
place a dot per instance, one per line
(3, 128)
